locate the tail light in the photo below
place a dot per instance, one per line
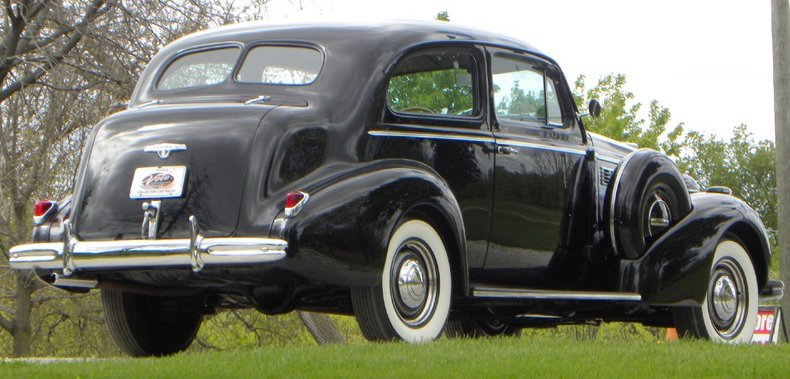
(43, 210)
(294, 202)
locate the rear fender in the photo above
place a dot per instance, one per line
(341, 235)
(676, 268)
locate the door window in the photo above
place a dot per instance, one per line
(435, 83)
(523, 92)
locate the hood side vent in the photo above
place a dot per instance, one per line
(605, 176)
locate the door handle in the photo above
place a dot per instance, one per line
(504, 149)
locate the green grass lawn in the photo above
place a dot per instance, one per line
(535, 357)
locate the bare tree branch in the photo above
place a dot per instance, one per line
(94, 10)
(6, 324)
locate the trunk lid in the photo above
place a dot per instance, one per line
(209, 148)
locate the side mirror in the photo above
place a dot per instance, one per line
(594, 108)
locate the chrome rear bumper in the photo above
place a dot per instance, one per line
(195, 252)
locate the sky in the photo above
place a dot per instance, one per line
(709, 62)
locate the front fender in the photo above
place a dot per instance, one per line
(342, 233)
(676, 268)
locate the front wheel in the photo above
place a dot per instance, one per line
(729, 312)
(413, 300)
(144, 325)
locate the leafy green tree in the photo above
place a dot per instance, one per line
(744, 165)
(443, 16)
(621, 120)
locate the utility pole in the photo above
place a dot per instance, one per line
(780, 31)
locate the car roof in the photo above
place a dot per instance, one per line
(356, 50)
(372, 34)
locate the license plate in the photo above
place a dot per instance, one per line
(158, 182)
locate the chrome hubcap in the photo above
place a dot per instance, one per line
(414, 278)
(727, 304)
(725, 300)
(411, 283)
(659, 216)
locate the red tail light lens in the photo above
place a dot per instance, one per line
(41, 208)
(294, 201)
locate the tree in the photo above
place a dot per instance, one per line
(621, 117)
(62, 66)
(442, 16)
(742, 164)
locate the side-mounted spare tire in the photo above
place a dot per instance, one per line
(647, 196)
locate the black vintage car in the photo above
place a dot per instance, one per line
(421, 176)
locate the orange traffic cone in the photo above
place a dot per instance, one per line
(672, 334)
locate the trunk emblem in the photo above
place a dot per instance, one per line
(163, 150)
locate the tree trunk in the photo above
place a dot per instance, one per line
(23, 304)
(322, 328)
(780, 14)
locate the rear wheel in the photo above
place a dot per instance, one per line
(145, 325)
(729, 311)
(413, 300)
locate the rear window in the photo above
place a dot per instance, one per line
(199, 69)
(283, 65)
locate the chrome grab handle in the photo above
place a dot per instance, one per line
(505, 149)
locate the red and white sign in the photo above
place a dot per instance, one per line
(158, 182)
(769, 319)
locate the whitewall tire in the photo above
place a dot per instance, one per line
(729, 312)
(413, 300)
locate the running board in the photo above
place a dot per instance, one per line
(531, 294)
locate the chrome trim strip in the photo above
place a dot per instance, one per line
(518, 293)
(428, 135)
(460, 137)
(129, 254)
(530, 145)
(616, 186)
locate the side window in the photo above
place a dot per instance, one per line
(202, 68)
(522, 92)
(281, 65)
(436, 82)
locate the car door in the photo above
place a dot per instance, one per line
(436, 113)
(537, 147)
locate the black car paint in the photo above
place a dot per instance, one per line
(367, 167)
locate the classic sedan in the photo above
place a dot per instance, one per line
(424, 177)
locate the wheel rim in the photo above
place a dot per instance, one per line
(492, 327)
(413, 283)
(727, 301)
(659, 215)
